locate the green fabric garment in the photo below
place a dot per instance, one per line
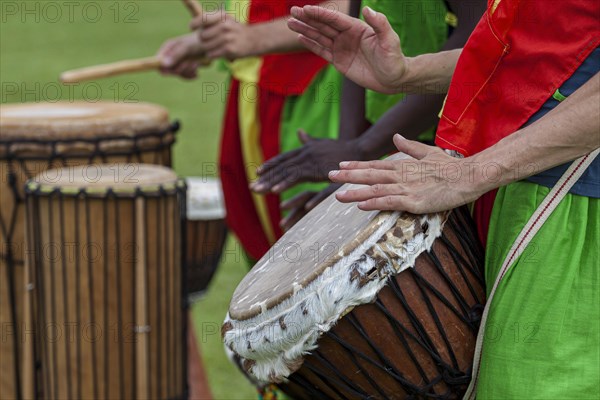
(316, 111)
(543, 332)
(422, 28)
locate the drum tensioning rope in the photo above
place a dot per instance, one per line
(415, 332)
(133, 153)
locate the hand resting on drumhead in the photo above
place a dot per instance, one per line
(181, 56)
(359, 139)
(434, 181)
(429, 182)
(317, 157)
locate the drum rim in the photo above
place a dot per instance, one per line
(136, 135)
(171, 183)
(47, 148)
(39, 190)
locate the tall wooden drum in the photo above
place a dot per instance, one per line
(362, 305)
(105, 262)
(37, 137)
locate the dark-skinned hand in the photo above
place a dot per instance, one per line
(310, 163)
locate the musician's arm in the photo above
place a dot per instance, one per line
(570, 130)
(276, 37)
(417, 113)
(353, 120)
(223, 36)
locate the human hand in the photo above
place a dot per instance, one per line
(223, 36)
(368, 52)
(310, 163)
(431, 181)
(302, 204)
(181, 56)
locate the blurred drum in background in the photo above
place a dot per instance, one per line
(206, 233)
(353, 304)
(37, 137)
(105, 263)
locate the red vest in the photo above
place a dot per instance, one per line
(516, 58)
(286, 74)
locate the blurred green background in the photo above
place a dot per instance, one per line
(41, 39)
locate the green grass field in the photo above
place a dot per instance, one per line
(40, 39)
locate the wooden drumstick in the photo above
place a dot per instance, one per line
(194, 7)
(126, 66)
(112, 69)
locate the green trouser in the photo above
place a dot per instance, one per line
(543, 332)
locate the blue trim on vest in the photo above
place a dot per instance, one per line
(589, 183)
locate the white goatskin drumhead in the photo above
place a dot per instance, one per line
(204, 199)
(80, 120)
(44, 111)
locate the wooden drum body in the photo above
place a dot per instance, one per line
(106, 270)
(37, 137)
(206, 233)
(353, 304)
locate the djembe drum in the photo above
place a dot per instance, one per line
(105, 262)
(37, 137)
(351, 304)
(206, 233)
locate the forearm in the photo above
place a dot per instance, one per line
(353, 121)
(428, 73)
(417, 113)
(410, 117)
(569, 131)
(275, 36)
(272, 37)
